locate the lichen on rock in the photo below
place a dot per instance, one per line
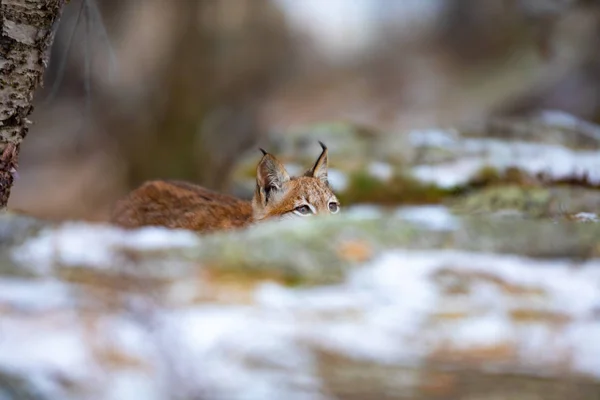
(349, 305)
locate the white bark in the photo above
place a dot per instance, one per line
(25, 42)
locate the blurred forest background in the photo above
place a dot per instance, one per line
(145, 89)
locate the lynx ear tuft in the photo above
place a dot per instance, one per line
(270, 176)
(319, 170)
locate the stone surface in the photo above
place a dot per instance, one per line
(553, 158)
(411, 303)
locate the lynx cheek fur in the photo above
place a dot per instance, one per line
(175, 204)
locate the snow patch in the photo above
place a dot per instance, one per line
(28, 296)
(561, 119)
(58, 350)
(586, 217)
(337, 179)
(433, 137)
(380, 170)
(82, 244)
(554, 161)
(363, 211)
(383, 312)
(387, 312)
(433, 217)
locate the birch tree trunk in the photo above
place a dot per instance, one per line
(25, 42)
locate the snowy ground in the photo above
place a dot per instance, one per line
(555, 161)
(401, 308)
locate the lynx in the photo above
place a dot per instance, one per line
(277, 195)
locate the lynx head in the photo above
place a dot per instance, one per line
(279, 195)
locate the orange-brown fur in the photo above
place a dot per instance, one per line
(181, 205)
(316, 193)
(175, 204)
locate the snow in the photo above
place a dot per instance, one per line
(363, 211)
(57, 350)
(81, 244)
(222, 341)
(380, 170)
(588, 349)
(387, 311)
(382, 311)
(433, 217)
(555, 161)
(433, 137)
(31, 296)
(586, 217)
(337, 179)
(561, 119)
(449, 175)
(484, 331)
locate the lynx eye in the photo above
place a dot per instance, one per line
(303, 210)
(334, 207)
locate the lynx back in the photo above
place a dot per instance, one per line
(277, 195)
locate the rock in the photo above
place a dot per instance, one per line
(412, 303)
(14, 229)
(529, 202)
(552, 150)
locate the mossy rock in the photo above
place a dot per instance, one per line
(135, 304)
(352, 151)
(399, 189)
(15, 227)
(426, 167)
(528, 201)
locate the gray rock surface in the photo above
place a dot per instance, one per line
(414, 303)
(553, 155)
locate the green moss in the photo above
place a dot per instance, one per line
(489, 175)
(401, 189)
(531, 202)
(342, 127)
(486, 175)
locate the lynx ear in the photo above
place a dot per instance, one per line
(319, 170)
(270, 176)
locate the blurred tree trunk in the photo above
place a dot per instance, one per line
(569, 29)
(25, 42)
(224, 60)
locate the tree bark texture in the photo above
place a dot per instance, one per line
(25, 42)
